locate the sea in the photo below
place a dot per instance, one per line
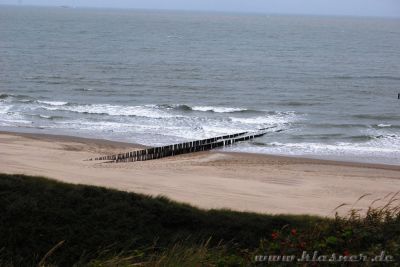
(325, 87)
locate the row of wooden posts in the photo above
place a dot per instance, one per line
(182, 148)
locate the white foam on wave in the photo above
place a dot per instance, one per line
(145, 134)
(8, 118)
(53, 103)
(100, 126)
(385, 149)
(155, 124)
(217, 109)
(4, 109)
(336, 148)
(150, 111)
(44, 116)
(271, 119)
(16, 121)
(148, 133)
(159, 121)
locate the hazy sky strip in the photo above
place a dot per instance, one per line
(385, 8)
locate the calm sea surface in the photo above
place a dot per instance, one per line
(150, 77)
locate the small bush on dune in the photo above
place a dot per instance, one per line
(369, 233)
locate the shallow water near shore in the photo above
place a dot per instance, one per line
(155, 78)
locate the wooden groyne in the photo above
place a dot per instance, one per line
(181, 148)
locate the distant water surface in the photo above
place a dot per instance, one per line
(149, 77)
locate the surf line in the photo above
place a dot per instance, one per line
(181, 148)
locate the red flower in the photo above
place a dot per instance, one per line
(346, 253)
(302, 245)
(294, 231)
(274, 235)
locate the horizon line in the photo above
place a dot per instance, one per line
(205, 11)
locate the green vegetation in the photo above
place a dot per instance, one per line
(44, 222)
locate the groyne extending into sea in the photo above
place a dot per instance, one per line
(181, 148)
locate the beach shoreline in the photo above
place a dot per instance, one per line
(210, 180)
(127, 145)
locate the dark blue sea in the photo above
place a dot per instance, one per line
(327, 85)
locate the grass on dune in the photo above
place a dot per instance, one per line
(38, 213)
(56, 224)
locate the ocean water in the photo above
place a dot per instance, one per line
(157, 77)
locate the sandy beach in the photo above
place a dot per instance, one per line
(243, 182)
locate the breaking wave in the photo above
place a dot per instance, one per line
(151, 111)
(53, 103)
(217, 109)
